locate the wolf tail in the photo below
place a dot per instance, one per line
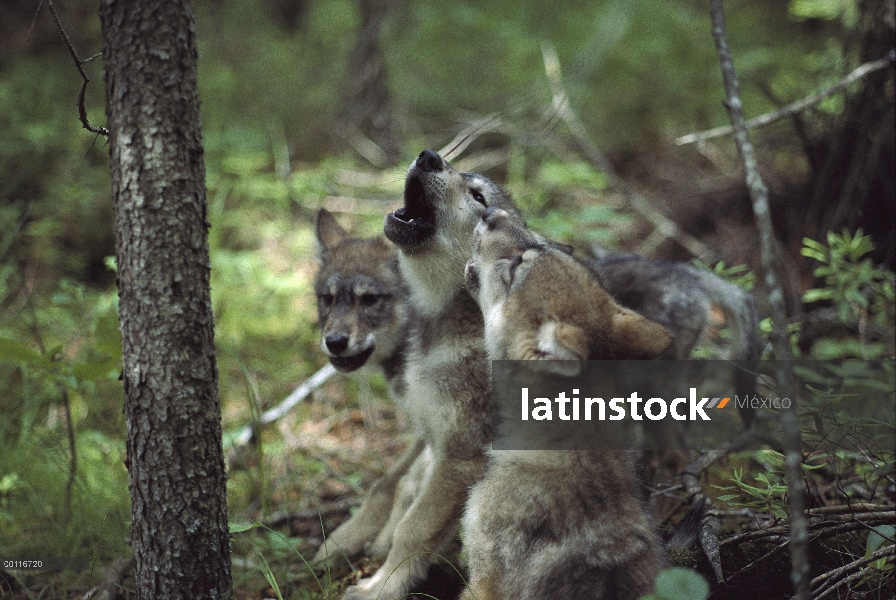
(740, 314)
(685, 534)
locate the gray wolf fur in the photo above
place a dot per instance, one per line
(360, 300)
(679, 296)
(544, 525)
(364, 318)
(446, 378)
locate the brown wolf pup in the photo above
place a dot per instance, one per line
(561, 524)
(364, 317)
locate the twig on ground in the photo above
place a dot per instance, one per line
(798, 533)
(665, 227)
(821, 526)
(297, 395)
(823, 581)
(281, 518)
(852, 509)
(82, 110)
(794, 107)
(762, 558)
(849, 579)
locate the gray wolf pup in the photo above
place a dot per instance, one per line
(446, 378)
(679, 296)
(364, 317)
(360, 300)
(562, 524)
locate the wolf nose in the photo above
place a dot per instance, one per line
(336, 343)
(429, 161)
(493, 214)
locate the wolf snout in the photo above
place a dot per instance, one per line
(429, 161)
(494, 216)
(336, 343)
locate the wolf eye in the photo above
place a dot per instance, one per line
(478, 197)
(368, 300)
(325, 299)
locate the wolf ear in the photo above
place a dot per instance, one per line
(564, 248)
(329, 233)
(562, 349)
(634, 337)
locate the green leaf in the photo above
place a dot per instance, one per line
(816, 294)
(678, 583)
(778, 511)
(95, 370)
(877, 538)
(18, 352)
(241, 527)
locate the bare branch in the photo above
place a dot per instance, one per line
(796, 501)
(82, 111)
(821, 526)
(562, 107)
(823, 581)
(297, 395)
(794, 107)
(468, 135)
(281, 518)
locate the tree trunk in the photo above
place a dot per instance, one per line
(175, 463)
(855, 186)
(366, 121)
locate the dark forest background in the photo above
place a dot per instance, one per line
(323, 103)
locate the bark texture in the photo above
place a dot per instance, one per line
(175, 464)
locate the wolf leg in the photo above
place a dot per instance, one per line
(429, 523)
(408, 489)
(350, 538)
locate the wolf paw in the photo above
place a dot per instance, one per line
(361, 591)
(370, 589)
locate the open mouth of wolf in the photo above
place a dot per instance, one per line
(415, 223)
(347, 364)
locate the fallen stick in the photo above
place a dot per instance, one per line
(297, 395)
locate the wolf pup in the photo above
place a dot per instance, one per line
(446, 377)
(364, 318)
(679, 296)
(561, 524)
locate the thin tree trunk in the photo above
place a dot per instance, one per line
(798, 537)
(366, 121)
(175, 462)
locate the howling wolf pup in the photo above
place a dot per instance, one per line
(364, 317)
(446, 377)
(561, 524)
